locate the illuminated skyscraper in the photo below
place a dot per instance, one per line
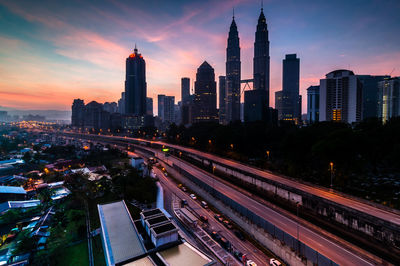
(232, 108)
(135, 85)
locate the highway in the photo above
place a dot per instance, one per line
(320, 192)
(327, 247)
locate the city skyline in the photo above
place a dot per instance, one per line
(63, 60)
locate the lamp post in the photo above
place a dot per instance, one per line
(268, 155)
(331, 170)
(298, 236)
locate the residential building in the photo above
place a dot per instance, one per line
(340, 97)
(78, 113)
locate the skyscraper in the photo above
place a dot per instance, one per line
(370, 93)
(287, 101)
(313, 104)
(161, 104)
(78, 113)
(166, 108)
(135, 85)
(261, 56)
(232, 112)
(389, 98)
(205, 103)
(222, 100)
(340, 97)
(256, 101)
(185, 89)
(149, 106)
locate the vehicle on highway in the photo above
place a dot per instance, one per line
(274, 262)
(219, 218)
(204, 218)
(225, 243)
(180, 186)
(251, 263)
(227, 224)
(152, 160)
(193, 196)
(239, 235)
(204, 204)
(183, 203)
(238, 255)
(184, 189)
(215, 236)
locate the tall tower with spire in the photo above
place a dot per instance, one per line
(135, 84)
(261, 56)
(256, 106)
(232, 106)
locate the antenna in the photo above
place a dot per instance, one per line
(262, 5)
(233, 12)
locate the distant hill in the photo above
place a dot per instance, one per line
(49, 114)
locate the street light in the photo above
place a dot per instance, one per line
(331, 169)
(298, 237)
(268, 155)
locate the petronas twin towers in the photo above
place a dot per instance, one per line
(257, 100)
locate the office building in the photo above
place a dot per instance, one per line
(313, 104)
(340, 97)
(205, 102)
(370, 94)
(222, 100)
(78, 113)
(149, 106)
(121, 104)
(389, 98)
(111, 107)
(160, 103)
(231, 110)
(288, 100)
(256, 101)
(135, 84)
(185, 89)
(166, 109)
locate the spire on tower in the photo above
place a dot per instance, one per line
(233, 13)
(135, 50)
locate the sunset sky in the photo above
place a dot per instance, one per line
(54, 51)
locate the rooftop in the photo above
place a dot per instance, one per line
(164, 228)
(12, 190)
(184, 254)
(151, 213)
(122, 241)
